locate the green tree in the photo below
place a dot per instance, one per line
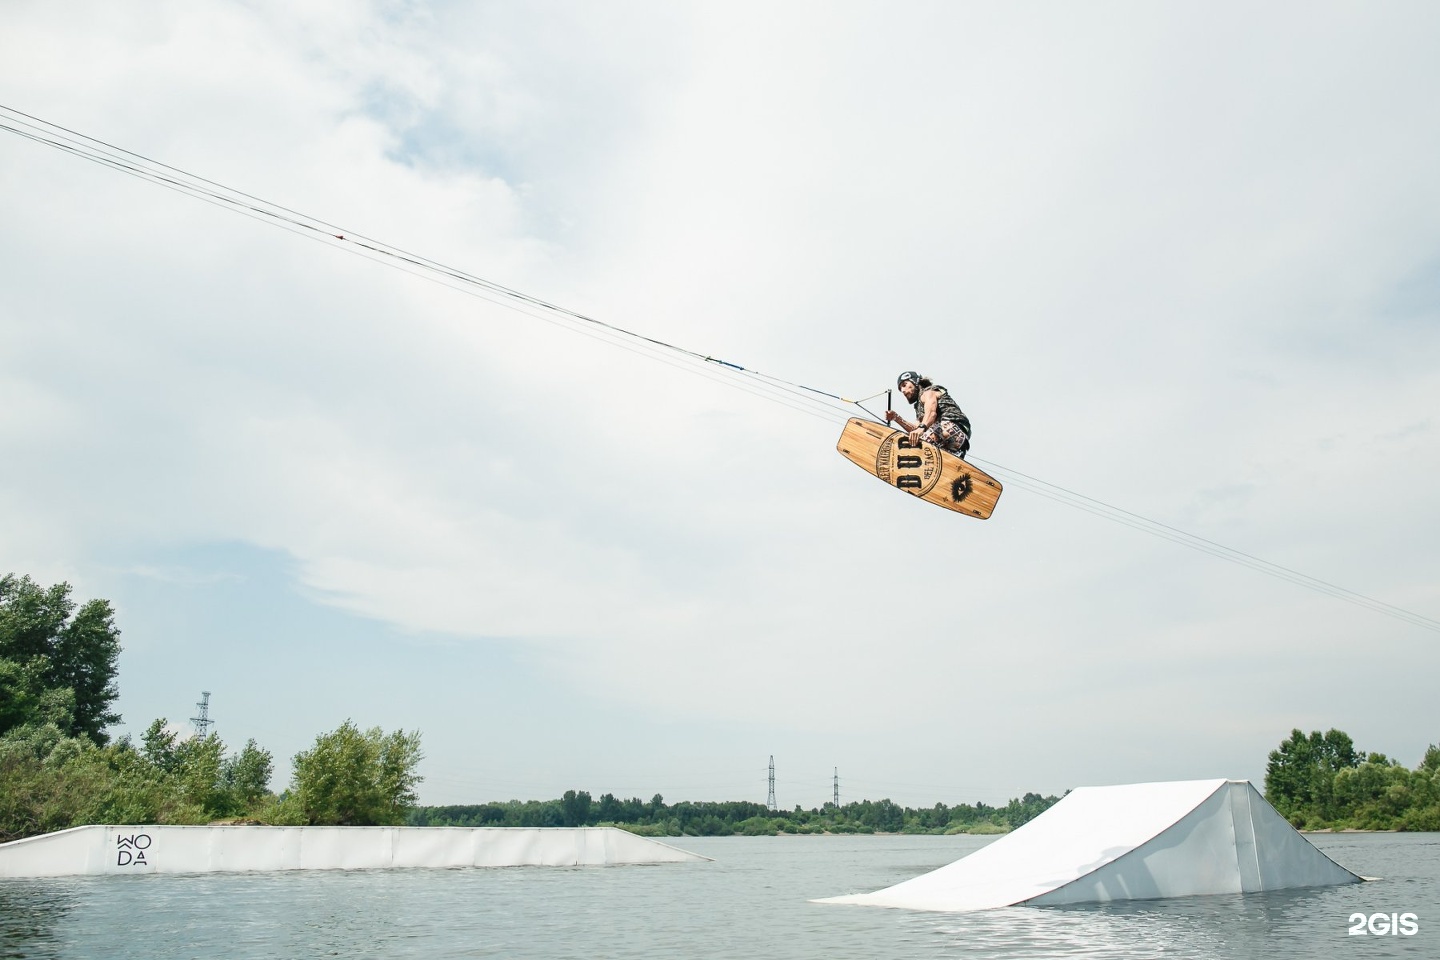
(1373, 795)
(1424, 812)
(25, 700)
(1300, 775)
(351, 777)
(575, 808)
(37, 796)
(885, 815)
(196, 774)
(609, 809)
(40, 629)
(159, 746)
(49, 782)
(245, 778)
(1017, 813)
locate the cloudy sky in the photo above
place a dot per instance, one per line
(1184, 258)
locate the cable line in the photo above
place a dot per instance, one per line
(798, 397)
(1164, 531)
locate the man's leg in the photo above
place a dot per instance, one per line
(947, 435)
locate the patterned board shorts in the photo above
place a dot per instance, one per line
(947, 435)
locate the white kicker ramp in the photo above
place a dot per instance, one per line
(231, 849)
(1140, 841)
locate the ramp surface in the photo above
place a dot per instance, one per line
(230, 849)
(1134, 842)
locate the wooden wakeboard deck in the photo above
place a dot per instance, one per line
(921, 470)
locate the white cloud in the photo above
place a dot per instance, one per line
(1179, 260)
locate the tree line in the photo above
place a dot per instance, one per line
(59, 767)
(656, 818)
(1322, 782)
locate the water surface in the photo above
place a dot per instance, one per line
(751, 902)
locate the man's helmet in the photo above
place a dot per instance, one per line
(910, 375)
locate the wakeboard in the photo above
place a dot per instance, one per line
(920, 469)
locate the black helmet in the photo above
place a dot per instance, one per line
(910, 375)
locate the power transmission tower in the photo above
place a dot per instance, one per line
(203, 721)
(770, 801)
(837, 788)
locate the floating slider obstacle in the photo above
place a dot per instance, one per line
(109, 850)
(1142, 841)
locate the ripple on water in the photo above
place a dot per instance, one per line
(753, 901)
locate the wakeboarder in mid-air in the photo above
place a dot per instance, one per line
(938, 418)
(926, 458)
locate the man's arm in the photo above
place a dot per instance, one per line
(900, 421)
(932, 407)
(910, 429)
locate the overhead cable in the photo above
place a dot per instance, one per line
(796, 396)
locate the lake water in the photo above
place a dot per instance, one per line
(751, 902)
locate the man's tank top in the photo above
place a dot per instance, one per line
(945, 408)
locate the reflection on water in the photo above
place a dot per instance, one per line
(1219, 926)
(29, 915)
(1309, 923)
(753, 901)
